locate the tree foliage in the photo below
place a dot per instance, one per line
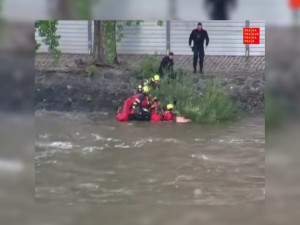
(47, 31)
(107, 34)
(113, 33)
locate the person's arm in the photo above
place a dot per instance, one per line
(206, 38)
(164, 62)
(191, 38)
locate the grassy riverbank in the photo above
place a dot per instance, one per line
(203, 101)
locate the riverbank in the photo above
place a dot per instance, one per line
(70, 88)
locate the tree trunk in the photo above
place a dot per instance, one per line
(98, 48)
(115, 60)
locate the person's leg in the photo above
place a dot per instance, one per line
(201, 56)
(195, 59)
(145, 116)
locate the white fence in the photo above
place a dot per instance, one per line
(74, 37)
(226, 37)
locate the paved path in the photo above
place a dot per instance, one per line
(212, 64)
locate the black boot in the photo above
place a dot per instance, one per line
(195, 67)
(201, 66)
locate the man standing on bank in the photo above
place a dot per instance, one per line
(198, 36)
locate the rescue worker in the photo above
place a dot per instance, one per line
(152, 83)
(140, 109)
(198, 36)
(168, 114)
(166, 65)
(154, 111)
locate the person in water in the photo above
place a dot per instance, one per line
(140, 109)
(154, 111)
(168, 114)
(153, 83)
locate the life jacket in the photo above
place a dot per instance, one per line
(155, 117)
(168, 115)
(146, 102)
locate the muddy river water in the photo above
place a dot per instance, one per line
(91, 158)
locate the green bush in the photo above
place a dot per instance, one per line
(148, 67)
(213, 106)
(209, 105)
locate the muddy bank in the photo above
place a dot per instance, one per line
(106, 90)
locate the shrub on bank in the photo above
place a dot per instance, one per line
(204, 102)
(207, 102)
(148, 67)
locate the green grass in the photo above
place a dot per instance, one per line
(213, 105)
(148, 67)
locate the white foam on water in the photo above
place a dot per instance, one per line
(41, 155)
(57, 144)
(238, 141)
(204, 157)
(166, 140)
(91, 186)
(171, 140)
(185, 178)
(142, 142)
(121, 191)
(199, 157)
(100, 138)
(61, 145)
(122, 146)
(139, 144)
(197, 192)
(97, 137)
(92, 148)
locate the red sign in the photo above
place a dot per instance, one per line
(294, 4)
(251, 35)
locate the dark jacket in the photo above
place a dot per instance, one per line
(166, 65)
(198, 38)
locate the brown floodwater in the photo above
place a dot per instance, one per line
(91, 158)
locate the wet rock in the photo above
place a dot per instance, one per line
(256, 84)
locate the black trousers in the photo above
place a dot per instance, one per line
(198, 53)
